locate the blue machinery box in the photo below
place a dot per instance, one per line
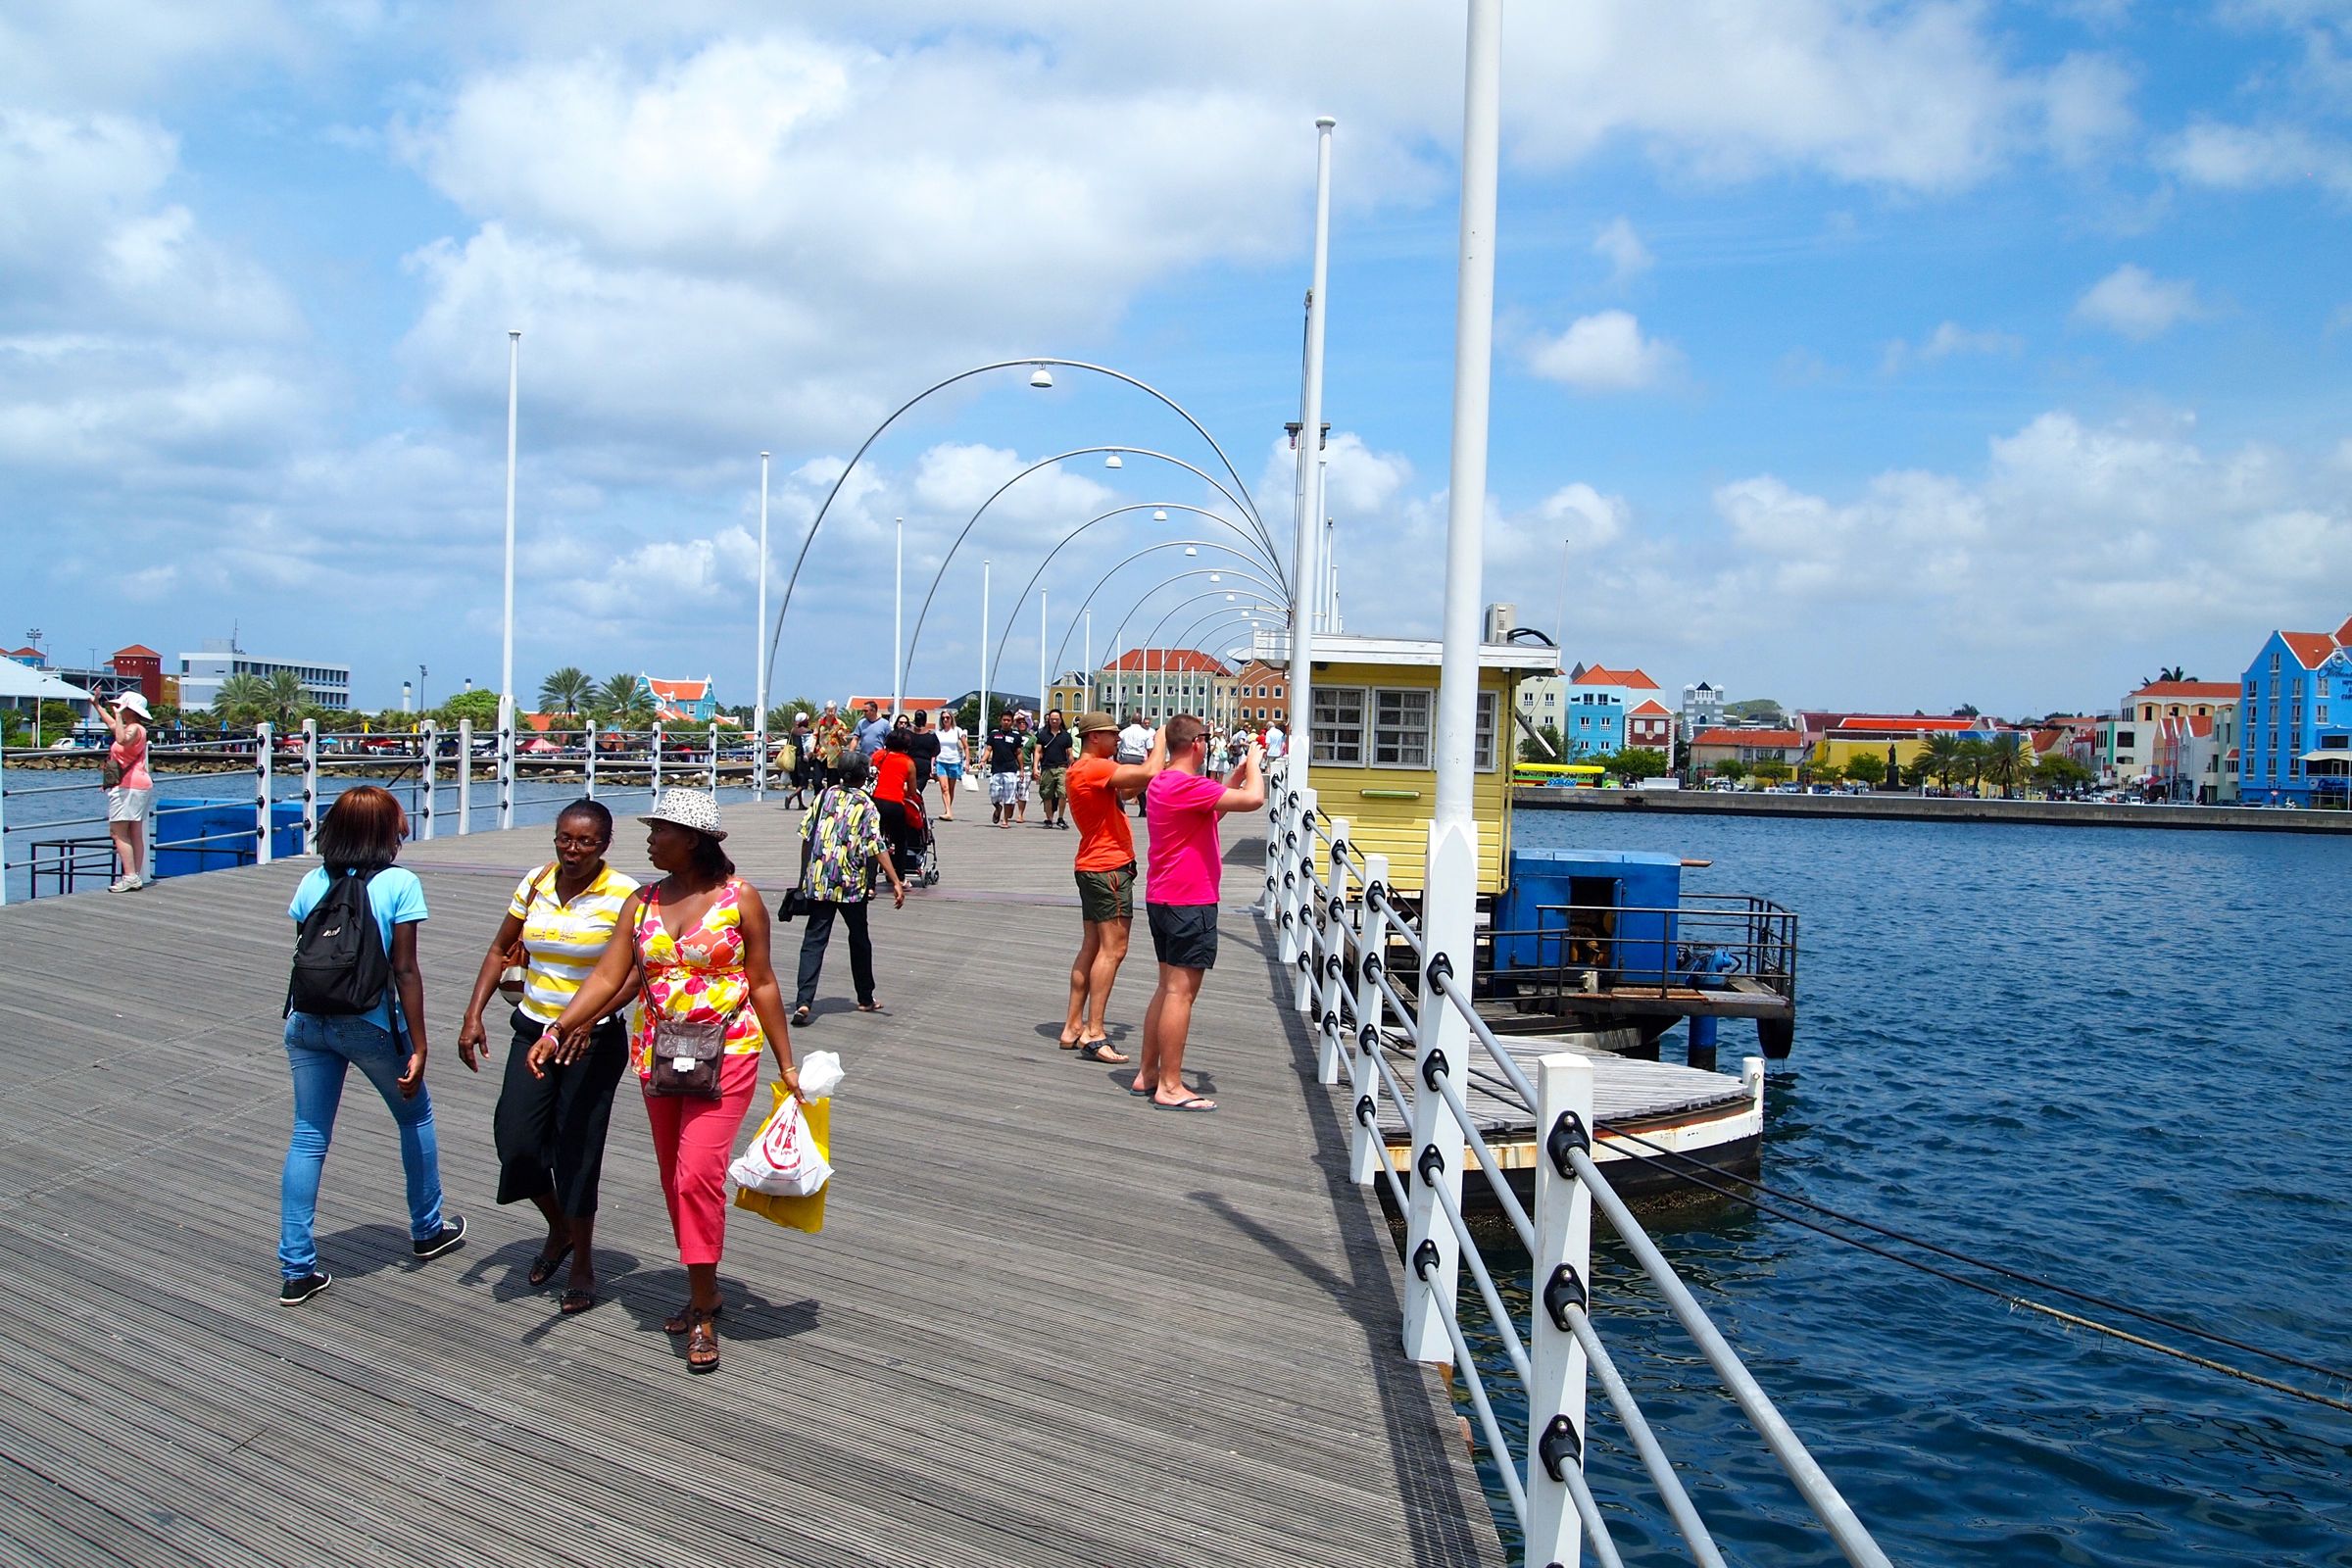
(1611, 910)
(194, 835)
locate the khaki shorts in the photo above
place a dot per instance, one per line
(1048, 785)
(1108, 894)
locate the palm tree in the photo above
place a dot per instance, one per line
(623, 699)
(1939, 758)
(286, 699)
(566, 691)
(2005, 761)
(243, 699)
(1973, 756)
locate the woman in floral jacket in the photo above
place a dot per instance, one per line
(843, 832)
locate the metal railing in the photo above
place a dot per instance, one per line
(1344, 937)
(298, 767)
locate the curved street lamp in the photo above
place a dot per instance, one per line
(1077, 615)
(1041, 377)
(1159, 514)
(1190, 547)
(1118, 633)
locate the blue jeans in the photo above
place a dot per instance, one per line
(320, 1049)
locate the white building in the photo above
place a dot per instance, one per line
(1702, 708)
(1540, 698)
(327, 685)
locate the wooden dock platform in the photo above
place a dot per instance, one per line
(1045, 1324)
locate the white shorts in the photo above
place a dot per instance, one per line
(1003, 789)
(1024, 796)
(128, 806)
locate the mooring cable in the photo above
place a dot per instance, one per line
(2007, 1297)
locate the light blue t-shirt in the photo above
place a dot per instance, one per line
(395, 896)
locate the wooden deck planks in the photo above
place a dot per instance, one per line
(1046, 1324)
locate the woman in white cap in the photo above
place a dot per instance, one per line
(709, 1007)
(129, 787)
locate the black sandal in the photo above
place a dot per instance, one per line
(575, 1302)
(544, 1269)
(1100, 1049)
(685, 1318)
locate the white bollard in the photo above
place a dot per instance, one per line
(506, 771)
(1332, 968)
(3, 825)
(1306, 954)
(591, 758)
(464, 776)
(264, 744)
(1366, 1149)
(428, 774)
(714, 762)
(310, 786)
(1431, 1249)
(1563, 1277)
(656, 764)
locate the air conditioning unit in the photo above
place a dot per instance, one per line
(1501, 621)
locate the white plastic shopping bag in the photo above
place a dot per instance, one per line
(784, 1159)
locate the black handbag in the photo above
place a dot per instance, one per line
(794, 901)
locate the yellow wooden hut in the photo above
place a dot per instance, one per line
(1373, 759)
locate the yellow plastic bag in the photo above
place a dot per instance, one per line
(795, 1213)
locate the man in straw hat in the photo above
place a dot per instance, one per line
(1095, 783)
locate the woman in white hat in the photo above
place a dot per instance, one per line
(709, 1007)
(129, 787)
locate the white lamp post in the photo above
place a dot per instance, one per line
(505, 658)
(760, 654)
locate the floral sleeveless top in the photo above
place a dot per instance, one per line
(697, 977)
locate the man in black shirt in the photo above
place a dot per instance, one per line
(1004, 770)
(923, 746)
(1052, 761)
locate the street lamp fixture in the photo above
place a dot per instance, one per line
(1191, 551)
(1113, 461)
(1041, 377)
(1159, 514)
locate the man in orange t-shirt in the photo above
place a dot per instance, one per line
(1105, 867)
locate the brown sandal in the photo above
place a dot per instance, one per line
(684, 1318)
(702, 1344)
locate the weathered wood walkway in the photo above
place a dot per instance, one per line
(1045, 1324)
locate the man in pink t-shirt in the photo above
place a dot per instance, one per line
(1181, 808)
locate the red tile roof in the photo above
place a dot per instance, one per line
(137, 650)
(679, 690)
(1181, 661)
(2193, 690)
(23, 653)
(1631, 679)
(1909, 723)
(2312, 648)
(1749, 737)
(1653, 706)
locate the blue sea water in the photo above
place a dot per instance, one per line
(2117, 1057)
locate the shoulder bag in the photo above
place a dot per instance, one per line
(686, 1056)
(794, 901)
(514, 972)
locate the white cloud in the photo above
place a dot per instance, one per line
(2227, 157)
(2086, 108)
(1582, 517)
(1949, 339)
(1622, 248)
(2135, 303)
(1603, 353)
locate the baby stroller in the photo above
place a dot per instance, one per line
(918, 854)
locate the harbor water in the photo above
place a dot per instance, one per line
(2115, 1058)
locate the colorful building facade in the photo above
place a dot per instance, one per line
(2295, 719)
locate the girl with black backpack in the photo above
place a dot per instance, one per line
(356, 998)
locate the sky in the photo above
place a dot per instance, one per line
(1866, 356)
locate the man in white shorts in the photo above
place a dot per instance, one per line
(1003, 749)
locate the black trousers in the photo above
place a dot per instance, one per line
(818, 931)
(550, 1131)
(899, 833)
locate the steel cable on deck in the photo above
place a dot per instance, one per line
(2006, 1297)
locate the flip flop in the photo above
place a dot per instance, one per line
(869, 1007)
(1137, 1087)
(1194, 1104)
(1071, 1045)
(544, 1268)
(575, 1301)
(802, 1018)
(1100, 1049)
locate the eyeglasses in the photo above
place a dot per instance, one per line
(573, 840)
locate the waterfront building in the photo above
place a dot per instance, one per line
(323, 685)
(909, 706)
(1702, 707)
(29, 657)
(1748, 747)
(1162, 681)
(1651, 724)
(25, 687)
(1542, 700)
(1592, 722)
(681, 702)
(2295, 725)
(1261, 693)
(2145, 745)
(1069, 694)
(1837, 739)
(1006, 701)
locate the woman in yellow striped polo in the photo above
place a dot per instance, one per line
(550, 1127)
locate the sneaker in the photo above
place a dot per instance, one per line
(133, 884)
(120, 884)
(293, 1293)
(452, 1237)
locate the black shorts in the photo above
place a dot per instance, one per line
(1183, 934)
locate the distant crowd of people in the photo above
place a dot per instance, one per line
(674, 979)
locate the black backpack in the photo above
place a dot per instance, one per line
(340, 965)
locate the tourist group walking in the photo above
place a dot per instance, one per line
(672, 980)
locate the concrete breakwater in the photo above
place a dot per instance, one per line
(1894, 808)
